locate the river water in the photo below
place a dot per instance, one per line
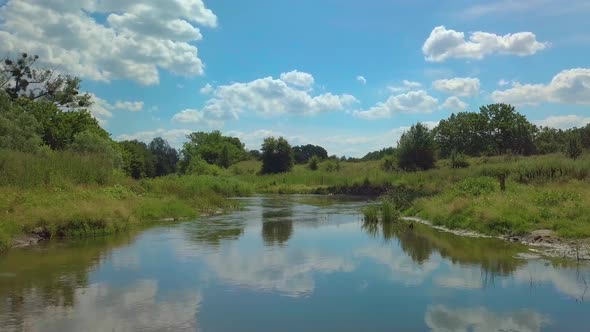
(289, 263)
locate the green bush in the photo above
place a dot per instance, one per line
(313, 163)
(476, 186)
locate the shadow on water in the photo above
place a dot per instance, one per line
(277, 221)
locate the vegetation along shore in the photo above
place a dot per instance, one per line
(490, 171)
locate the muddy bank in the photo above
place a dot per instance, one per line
(354, 190)
(541, 242)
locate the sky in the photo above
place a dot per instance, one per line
(350, 76)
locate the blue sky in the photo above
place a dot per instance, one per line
(348, 75)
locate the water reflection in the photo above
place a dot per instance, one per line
(448, 319)
(277, 221)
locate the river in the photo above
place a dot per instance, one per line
(289, 263)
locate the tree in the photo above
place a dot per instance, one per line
(549, 140)
(20, 78)
(574, 148)
(210, 147)
(314, 163)
(138, 160)
(416, 148)
(509, 130)
(59, 126)
(89, 142)
(165, 156)
(19, 130)
(277, 155)
(464, 132)
(303, 153)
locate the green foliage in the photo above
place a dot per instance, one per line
(314, 162)
(508, 130)
(476, 186)
(574, 147)
(138, 160)
(199, 166)
(22, 79)
(19, 130)
(212, 147)
(58, 126)
(332, 165)
(89, 142)
(389, 164)
(556, 197)
(302, 154)
(165, 156)
(416, 148)
(464, 132)
(458, 160)
(378, 155)
(277, 156)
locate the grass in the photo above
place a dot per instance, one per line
(70, 195)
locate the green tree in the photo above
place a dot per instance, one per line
(416, 148)
(549, 140)
(21, 78)
(314, 163)
(138, 160)
(464, 132)
(302, 154)
(574, 148)
(509, 130)
(277, 155)
(89, 142)
(210, 147)
(19, 130)
(165, 156)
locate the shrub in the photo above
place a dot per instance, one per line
(475, 186)
(388, 164)
(416, 148)
(313, 164)
(458, 160)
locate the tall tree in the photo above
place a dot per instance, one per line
(277, 155)
(416, 148)
(509, 130)
(21, 78)
(303, 153)
(210, 147)
(19, 130)
(165, 156)
(464, 132)
(138, 160)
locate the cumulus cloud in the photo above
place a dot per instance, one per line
(564, 121)
(207, 89)
(361, 79)
(265, 96)
(571, 86)
(298, 78)
(443, 44)
(410, 102)
(406, 86)
(175, 137)
(133, 42)
(458, 86)
(131, 106)
(454, 104)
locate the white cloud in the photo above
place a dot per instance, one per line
(265, 96)
(564, 121)
(503, 82)
(207, 89)
(454, 104)
(571, 86)
(134, 42)
(175, 137)
(442, 318)
(410, 102)
(406, 86)
(131, 106)
(298, 78)
(458, 86)
(361, 79)
(443, 44)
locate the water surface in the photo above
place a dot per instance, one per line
(289, 263)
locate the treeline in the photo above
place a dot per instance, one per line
(497, 129)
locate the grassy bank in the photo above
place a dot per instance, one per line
(62, 195)
(541, 192)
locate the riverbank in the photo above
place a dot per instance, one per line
(30, 215)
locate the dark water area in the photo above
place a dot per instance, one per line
(289, 263)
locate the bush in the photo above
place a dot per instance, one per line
(388, 164)
(458, 160)
(416, 148)
(313, 164)
(476, 186)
